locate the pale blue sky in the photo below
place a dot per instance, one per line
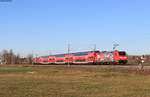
(44, 25)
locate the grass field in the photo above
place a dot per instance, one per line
(74, 81)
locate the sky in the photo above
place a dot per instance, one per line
(47, 26)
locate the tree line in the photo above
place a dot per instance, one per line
(133, 59)
(9, 57)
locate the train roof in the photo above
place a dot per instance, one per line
(59, 55)
(87, 51)
(44, 56)
(111, 51)
(83, 53)
(76, 54)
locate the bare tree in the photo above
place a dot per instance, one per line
(8, 57)
(5, 56)
(17, 59)
(1, 58)
(29, 58)
(11, 57)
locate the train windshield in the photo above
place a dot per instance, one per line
(122, 53)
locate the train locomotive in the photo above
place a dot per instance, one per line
(88, 57)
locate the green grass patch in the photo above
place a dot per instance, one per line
(74, 81)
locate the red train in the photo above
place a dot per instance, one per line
(89, 57)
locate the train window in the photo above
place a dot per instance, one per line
(122, 53)
(60, 61)
(52, 59)
(68, 58)
(44, 61)
(80, 60)
(90, 57)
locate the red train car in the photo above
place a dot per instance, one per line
(39, 60)
(89, 57)
(60, 58)
(112, 57)
(120, 57)
(85, 57)
(105, 58)
(45, 59)
(69, 58)
(51, 59)
(34, 61)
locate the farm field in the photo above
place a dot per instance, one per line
(74, 81)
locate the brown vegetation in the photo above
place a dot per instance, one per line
(9, 57)
(133, 60)
(73, 81)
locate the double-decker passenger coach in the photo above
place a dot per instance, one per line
(88, 57)
(85, 57)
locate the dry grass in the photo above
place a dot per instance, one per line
(76, 81)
